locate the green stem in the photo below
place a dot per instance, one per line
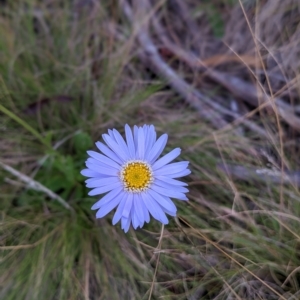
(25, 125)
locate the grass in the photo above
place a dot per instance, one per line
(64, 81)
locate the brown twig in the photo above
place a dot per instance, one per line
(208, 109)
(260, 174)
(238, 87)
(183, 55)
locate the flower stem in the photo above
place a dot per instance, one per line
(157, 261)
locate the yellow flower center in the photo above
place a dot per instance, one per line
(136, 176)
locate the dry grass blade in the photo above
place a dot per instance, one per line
(35, 244)
(235, 261)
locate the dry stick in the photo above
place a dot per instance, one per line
(186, 17)
(191, 95)
(193, 62)
(205, 107)
(35, 185)
(252, 173)
(237, 86)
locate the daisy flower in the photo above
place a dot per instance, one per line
(135, 181)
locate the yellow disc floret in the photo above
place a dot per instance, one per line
(136, 176)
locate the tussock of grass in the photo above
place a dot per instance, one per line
(66, 78)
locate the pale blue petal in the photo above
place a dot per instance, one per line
(102, 181)
(102, 170)
(154, 209)
(103, 159)
(135, 136)
(119, 211)
(123, 222)
(91, 173)
(107, 198)
(168, 193)
(127, 226)
(130, 141)
(126, 223)
(165, 202)
(121, 142)
(134, 218)
(171, 181)
(171, 213)
(171, 168)
(150, 140)
(111, 134)
(157, 148)
(138, 208)
(95, 179)
(145, 129)
(151, 136)
(146, 135)
(128, 206)
(104, 189)
(145, 210)
(116, 148)
(105, 150)
(166, 159)
(180, 174)
(105, 209)
(141, 144)
(100, 164)
(142, 224)
(175, 188)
